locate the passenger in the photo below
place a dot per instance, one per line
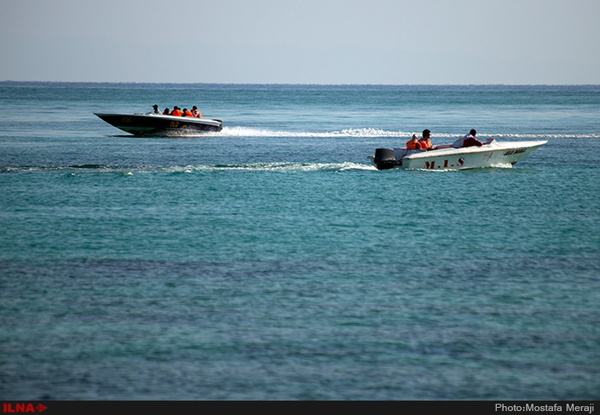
(156, 111)
(413, 143)
(426, 141)
(196, 112)
(468, 140)
(176, 112)
(187, 113)
(166, 111)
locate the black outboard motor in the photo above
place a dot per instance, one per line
(385, 159)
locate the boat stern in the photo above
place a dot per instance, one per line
(385, 159)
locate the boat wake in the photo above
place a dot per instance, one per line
(375, 133)
(278, 167)
(250, 132)
(294, 167)
(351, 132)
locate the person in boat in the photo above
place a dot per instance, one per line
(413, 143)
(176, 111)
(425, 142)
(196, 112)
(468, 140)
(166, 111)
(187, 113)
(156, 111)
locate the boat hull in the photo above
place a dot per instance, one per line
(165, 125)
(489, 155)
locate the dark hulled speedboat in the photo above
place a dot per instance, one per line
(158, 124)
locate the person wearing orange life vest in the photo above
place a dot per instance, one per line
(426, 141)
(196, 112)
(177, 112)
(187, 113)
(413, 143)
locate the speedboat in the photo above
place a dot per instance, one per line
(446, 157)
(158, 124)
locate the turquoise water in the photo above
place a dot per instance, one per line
(272, 261)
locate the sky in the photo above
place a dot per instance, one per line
(302, 41)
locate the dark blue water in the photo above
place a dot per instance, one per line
(272, 261)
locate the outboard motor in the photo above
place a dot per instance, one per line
(385, 158)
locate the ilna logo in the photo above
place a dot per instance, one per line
(14, 408)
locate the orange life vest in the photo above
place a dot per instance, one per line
(413, 145)
(188, 113)
(425, 143)
(177, 113)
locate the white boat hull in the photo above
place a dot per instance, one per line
(493, 154)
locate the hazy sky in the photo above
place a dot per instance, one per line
(302, 41)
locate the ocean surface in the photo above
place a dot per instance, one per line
(271, 261)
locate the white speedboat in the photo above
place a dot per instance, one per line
(446, 157)
(158, 124)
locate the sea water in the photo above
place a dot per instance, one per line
(272, 261)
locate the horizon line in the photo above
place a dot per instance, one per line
(294, 84)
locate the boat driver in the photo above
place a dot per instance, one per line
(468, 140)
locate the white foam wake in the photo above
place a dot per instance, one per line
(282, 167)
(351, 132)
(375, 132)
